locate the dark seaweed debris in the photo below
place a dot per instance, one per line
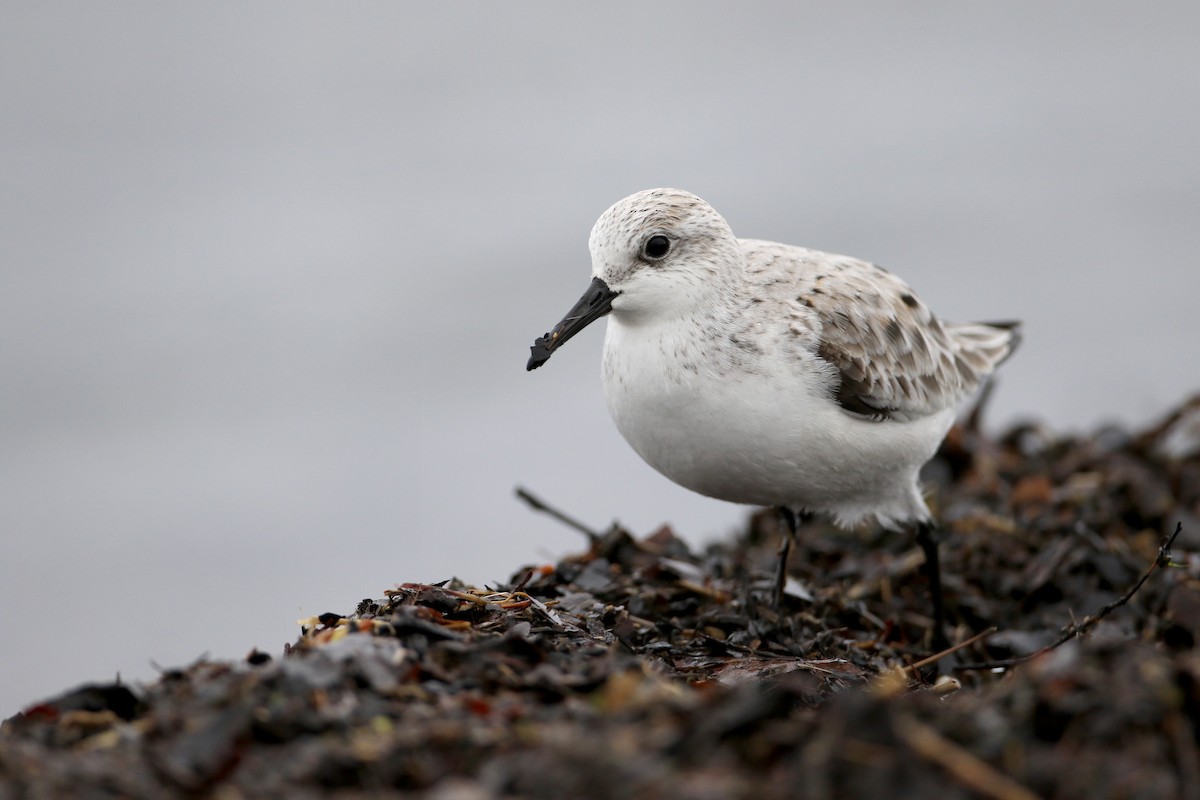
(643, 669)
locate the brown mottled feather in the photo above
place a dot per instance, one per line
(894, 358)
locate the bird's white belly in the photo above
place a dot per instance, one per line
(762, 437)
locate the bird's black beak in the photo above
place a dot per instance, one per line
(595, 303)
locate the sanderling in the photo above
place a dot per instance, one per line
(768, 374)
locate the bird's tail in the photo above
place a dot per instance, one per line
(988, 342)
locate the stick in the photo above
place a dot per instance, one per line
(970, 769)
(949, 650)
(537, 505)
(974, 419)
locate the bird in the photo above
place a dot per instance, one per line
(774, 375)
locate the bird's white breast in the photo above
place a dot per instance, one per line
(765, 433)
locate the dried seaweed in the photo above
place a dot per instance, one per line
(640, 668)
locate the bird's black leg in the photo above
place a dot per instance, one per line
(928, 540)
(785, 549)
(791, 522)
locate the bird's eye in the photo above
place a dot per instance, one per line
(656, 247)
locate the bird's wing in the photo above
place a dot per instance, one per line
(894, 358)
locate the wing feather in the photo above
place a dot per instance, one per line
(893, 357)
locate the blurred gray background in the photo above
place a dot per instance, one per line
(269, 271)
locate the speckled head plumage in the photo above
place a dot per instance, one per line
(661, 253)
(628, 239)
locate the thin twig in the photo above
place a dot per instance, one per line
(925, 662)
(1076, 629)
(968, 768)
(537, 505)
(974, 419)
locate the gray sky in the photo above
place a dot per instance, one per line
(269, 271)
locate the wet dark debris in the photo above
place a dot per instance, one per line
(643, 669)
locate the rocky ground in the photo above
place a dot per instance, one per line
(642, 669)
